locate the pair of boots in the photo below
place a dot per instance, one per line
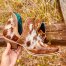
(32, 34)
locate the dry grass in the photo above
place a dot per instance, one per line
(46, 10)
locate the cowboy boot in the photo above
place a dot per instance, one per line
(13, 28)
(33, 40)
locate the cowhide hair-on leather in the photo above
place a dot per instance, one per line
(8, 31)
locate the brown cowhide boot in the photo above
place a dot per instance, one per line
(34, 37)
